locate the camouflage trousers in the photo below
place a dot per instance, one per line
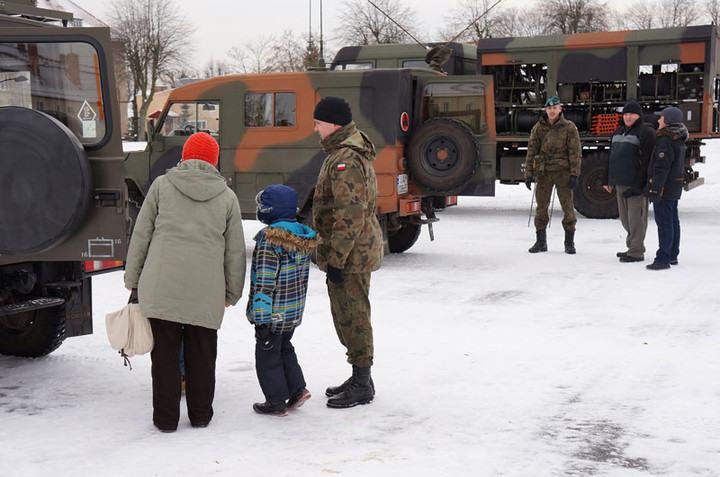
(543, 193)
(350, 308)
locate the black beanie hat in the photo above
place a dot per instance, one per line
(633, 107)
(333, 110)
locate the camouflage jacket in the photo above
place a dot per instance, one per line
(553, 147)
(344, 204)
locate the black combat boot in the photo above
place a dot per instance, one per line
(335, 390)
(540, 243)
(357, 391)
(570, 242)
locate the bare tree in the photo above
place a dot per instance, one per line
(640, 15)
(254, 56)
(288, 53)
(155, 43)
(574, 16)
(517, 22)
(483, 22)
(216, 68)
(674, 13)
(363, 24)
(712, 7)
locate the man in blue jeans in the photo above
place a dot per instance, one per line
(665, 184)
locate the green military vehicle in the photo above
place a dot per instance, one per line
(462, 60)
(63, 212)
(594, 74)
(433, 135)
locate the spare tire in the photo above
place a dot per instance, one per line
(443, 155)
(590, 198)
(45, 185)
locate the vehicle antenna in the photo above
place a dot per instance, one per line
(472, 22)
(399, 25)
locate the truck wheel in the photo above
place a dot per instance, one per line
(404, 238)
(443, 155)
(46, 184)
(32, 333)
(591, 199)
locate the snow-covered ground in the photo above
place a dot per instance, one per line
(489, 361)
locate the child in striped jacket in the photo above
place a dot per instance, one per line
(278, 288)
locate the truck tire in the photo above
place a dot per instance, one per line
(402, 239)
(443, 155)
(32, 334)
(46, 184)
(591, 200)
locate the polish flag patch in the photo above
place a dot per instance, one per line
(341, 167)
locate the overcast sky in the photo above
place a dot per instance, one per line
(221, 24)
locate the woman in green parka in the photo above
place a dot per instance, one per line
(187, 262)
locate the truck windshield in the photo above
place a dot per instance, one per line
(60, 79)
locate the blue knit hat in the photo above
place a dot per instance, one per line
(276, 203)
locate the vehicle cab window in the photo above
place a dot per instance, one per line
(61, 79)
(186, 118)
(269, 109)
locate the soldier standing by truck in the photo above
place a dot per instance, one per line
(553, 159)
(630, 150)
(352, 244)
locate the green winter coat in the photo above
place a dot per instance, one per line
(344, 204)
(553, 147)
(187, 253)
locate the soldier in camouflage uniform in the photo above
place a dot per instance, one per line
(553, 159)
(352, 242)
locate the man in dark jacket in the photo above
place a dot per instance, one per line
(665, 185)
(632, 145)
(553, 159)
(344, 208)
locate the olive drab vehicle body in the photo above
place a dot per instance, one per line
(463, 57)
(594, 75)
(432, 133)
(63, 212)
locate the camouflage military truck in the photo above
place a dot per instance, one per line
(594, 74)
(63, 213)
(433, 135)
(462, 61)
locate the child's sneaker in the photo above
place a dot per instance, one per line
(298, 398)
(272, 408)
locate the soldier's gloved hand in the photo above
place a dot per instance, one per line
(573, 182)
(262, 335)
(133, 296)
(631, 192)
(335, 275)
(528, 183)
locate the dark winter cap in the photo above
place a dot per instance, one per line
(633, 107)
(276, 203)
(333, 110)
(672, 115)
(201, 146)
(552, 101)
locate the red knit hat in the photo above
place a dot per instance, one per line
(201, 146)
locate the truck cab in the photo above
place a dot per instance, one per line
(433, 135)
